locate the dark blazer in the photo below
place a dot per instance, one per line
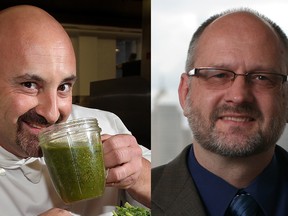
(173, 190)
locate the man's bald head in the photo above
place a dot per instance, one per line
(37, 73)
(239, 22)
(26, 18)
(25, 26)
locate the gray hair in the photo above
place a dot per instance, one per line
(193, 43)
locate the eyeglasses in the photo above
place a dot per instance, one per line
(218, 78)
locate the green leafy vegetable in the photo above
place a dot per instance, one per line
(129, 210)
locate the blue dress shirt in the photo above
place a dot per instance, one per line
(269, 189)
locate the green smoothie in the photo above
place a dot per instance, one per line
(78, 173)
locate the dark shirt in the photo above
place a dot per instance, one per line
(269, 189)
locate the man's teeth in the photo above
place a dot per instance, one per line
(36, 126)
(237, 119)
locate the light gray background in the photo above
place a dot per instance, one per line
(172, 25)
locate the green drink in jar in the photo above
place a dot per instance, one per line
(74, 157)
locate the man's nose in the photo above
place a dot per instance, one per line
(48, 107)
(240, 91)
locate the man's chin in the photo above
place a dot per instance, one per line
(36, 154)
(34, 150)
(29, 145)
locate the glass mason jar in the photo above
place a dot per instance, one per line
(73, 154)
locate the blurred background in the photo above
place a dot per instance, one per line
(111, 39)
(173, 23)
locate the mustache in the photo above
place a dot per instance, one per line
(247, 109)
(33, 117)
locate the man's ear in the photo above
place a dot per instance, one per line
(183, 89)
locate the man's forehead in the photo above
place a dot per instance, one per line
(238, 20)
(241, 27)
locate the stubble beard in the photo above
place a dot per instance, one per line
(236, 142)
(29, 143)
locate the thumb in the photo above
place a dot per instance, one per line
(104, 137)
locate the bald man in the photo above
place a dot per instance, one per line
(37, 73)
(234, 95)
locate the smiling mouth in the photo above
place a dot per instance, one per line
(35, 125)
(237, 119)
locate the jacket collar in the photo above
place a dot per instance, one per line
(175, 192)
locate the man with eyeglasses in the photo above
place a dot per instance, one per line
(234, 95)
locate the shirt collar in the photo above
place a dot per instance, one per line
(264, 188)
(217, 194)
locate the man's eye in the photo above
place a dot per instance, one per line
(261, 77)
(65, 87)
(30, 85)
(219, 75)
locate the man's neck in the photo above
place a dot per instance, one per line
(239, 172)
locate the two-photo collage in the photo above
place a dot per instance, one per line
(143, 107)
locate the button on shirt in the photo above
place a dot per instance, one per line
(269, 189)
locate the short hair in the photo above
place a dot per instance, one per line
(195, 38)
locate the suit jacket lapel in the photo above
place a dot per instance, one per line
(175, 192)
